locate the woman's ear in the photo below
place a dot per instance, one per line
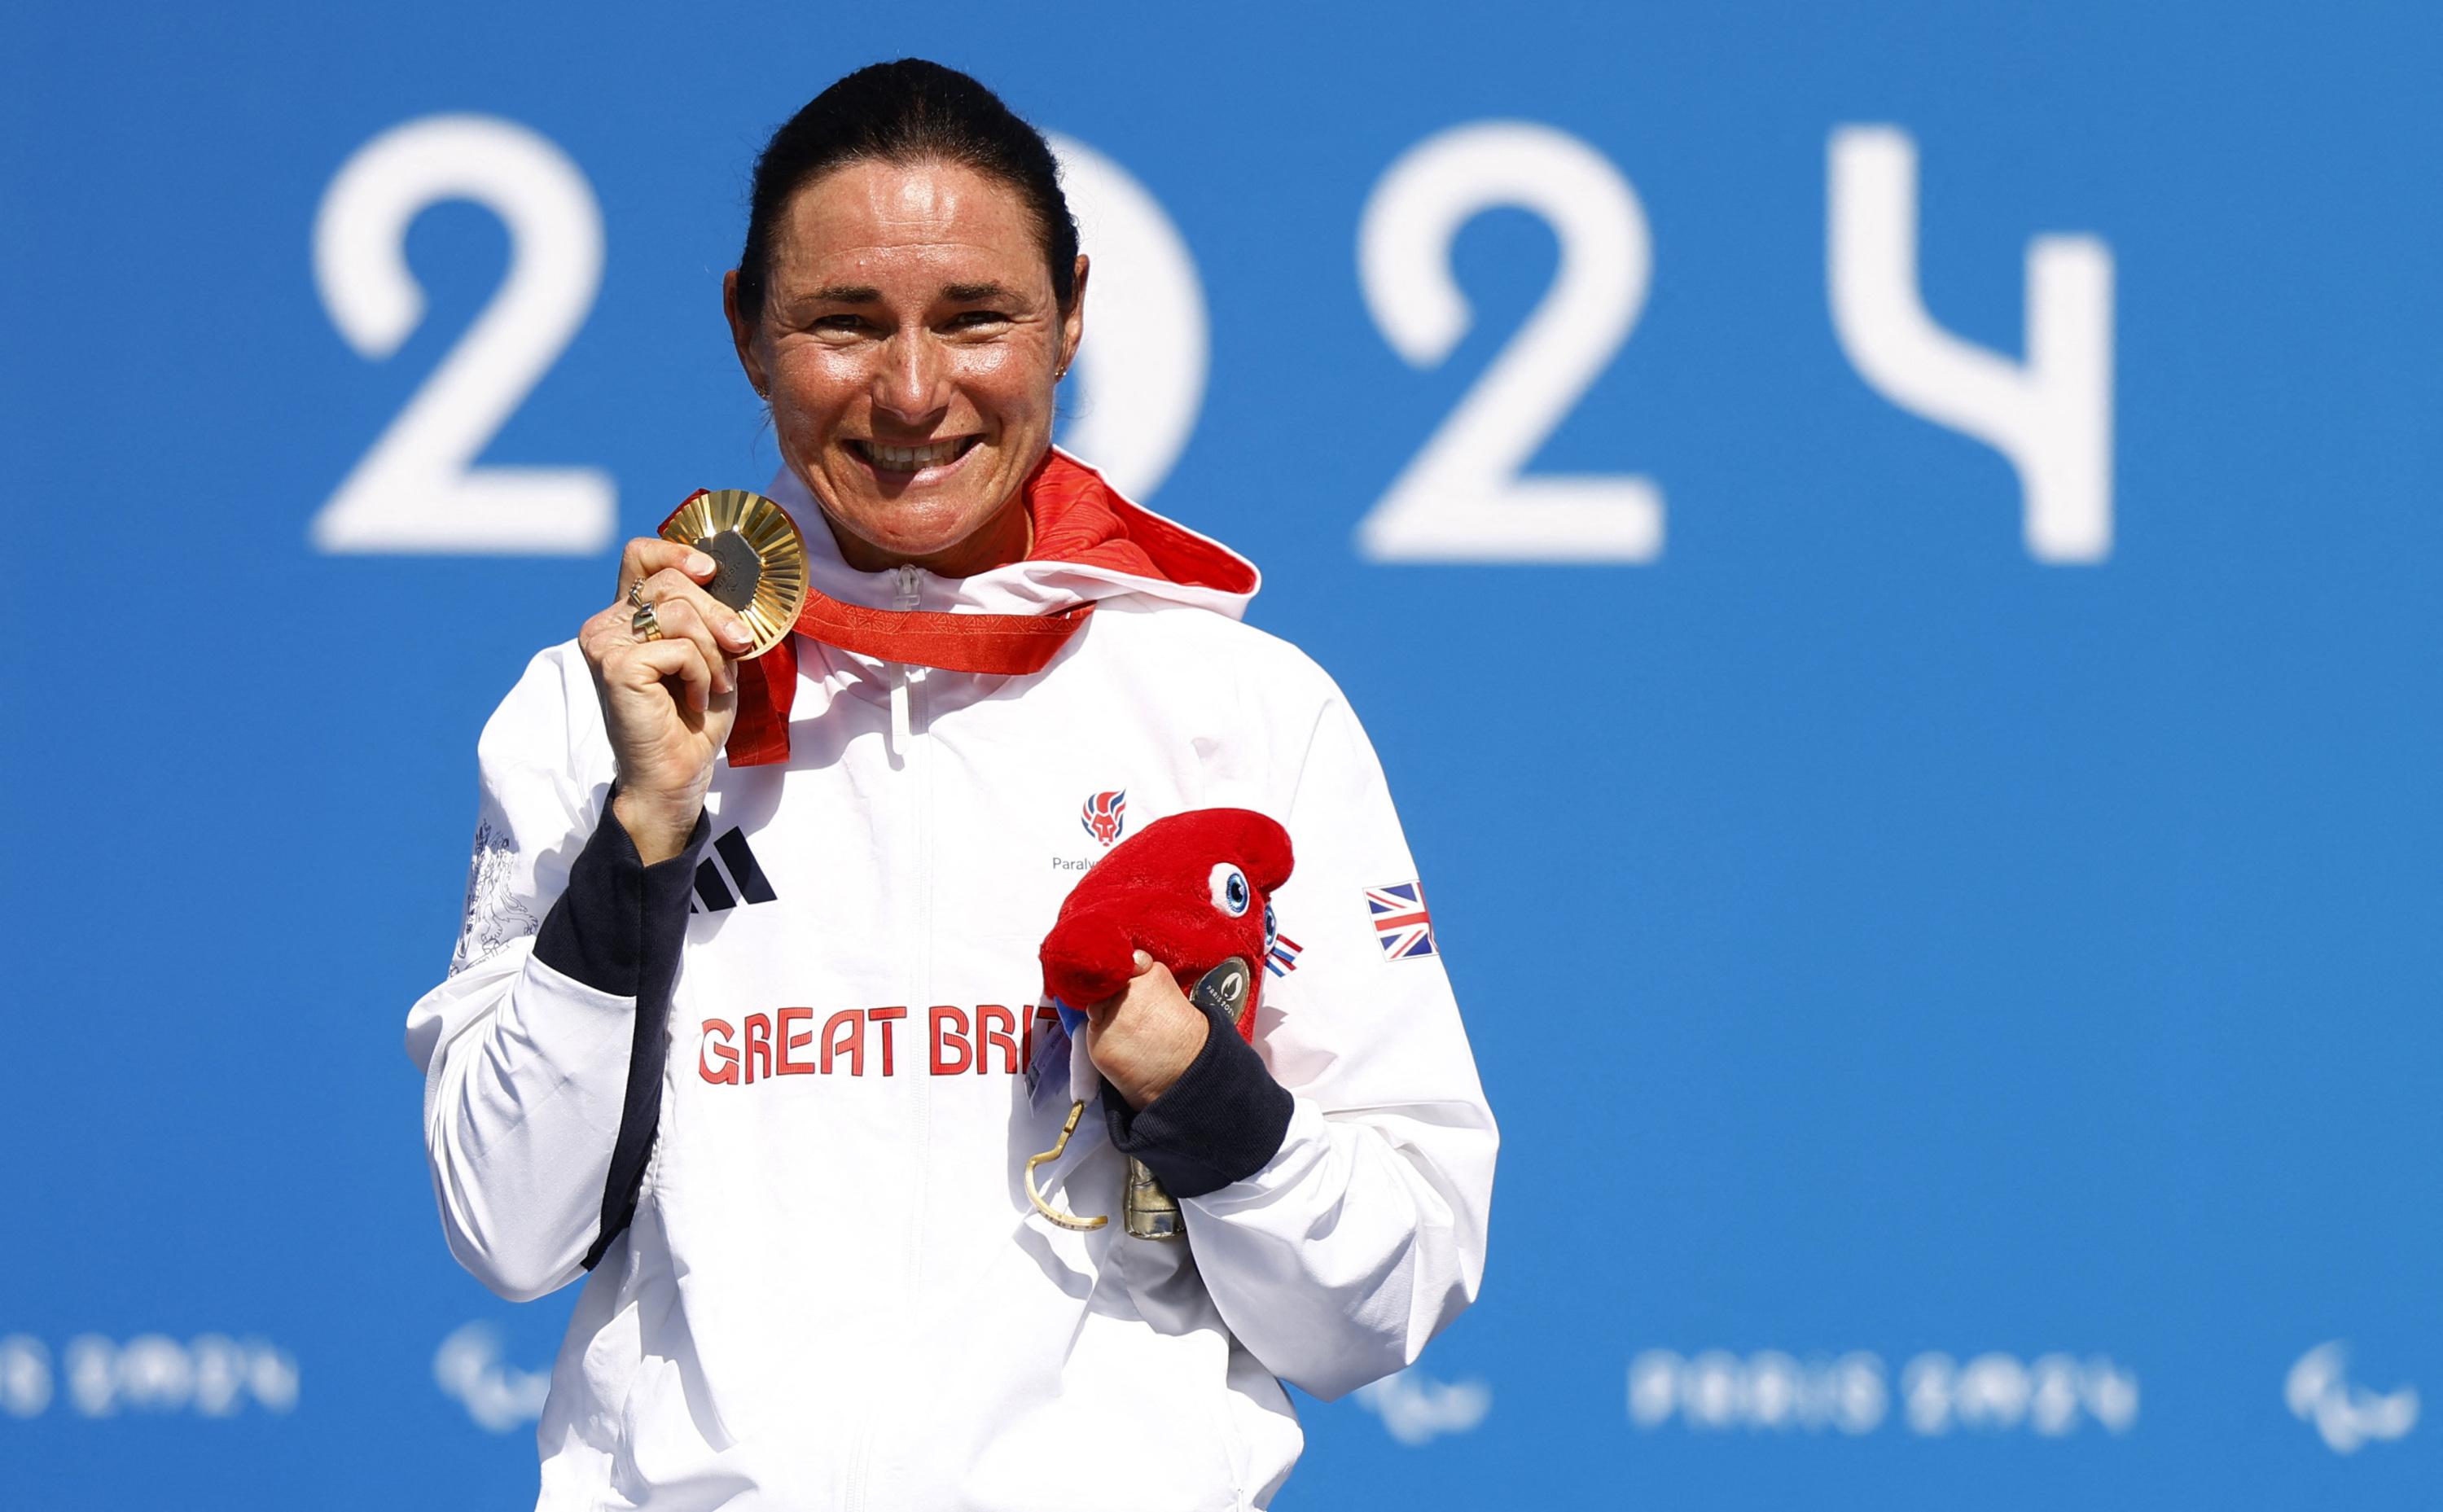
(742, 335)
(1073, 320)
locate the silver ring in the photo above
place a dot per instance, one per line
(644, 624)
(636, 595)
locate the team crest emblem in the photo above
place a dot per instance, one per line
(1106, 815)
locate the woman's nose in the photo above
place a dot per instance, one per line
(907, 381)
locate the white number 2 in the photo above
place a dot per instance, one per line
(418, 488)
(1463, 498)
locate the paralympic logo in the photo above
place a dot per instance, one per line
(1416, 1408)
(2347, 1417)
(499, 1397)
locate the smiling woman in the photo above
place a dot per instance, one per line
(909, 344)
(817, 1278)
(909, 294)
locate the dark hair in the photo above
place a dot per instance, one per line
(907, 112)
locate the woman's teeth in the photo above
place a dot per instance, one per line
(913, 459)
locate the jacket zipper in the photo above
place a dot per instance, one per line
(905, 687)
(901, 674)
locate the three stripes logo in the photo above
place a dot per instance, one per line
(728, 876)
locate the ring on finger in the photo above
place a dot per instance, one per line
(645, 623)
(636, 595)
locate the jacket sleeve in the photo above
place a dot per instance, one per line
(526, 1047)
(1363, 1234)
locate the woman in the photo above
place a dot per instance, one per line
(825, 1285)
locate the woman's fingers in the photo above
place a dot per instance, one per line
(647, 663)
(680, 620)
(647, 555)
(1101, 1013)
(1146, 1036)
(670, 585)
(603, 630)
(686, 615)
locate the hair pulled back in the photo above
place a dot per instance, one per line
(907, 112)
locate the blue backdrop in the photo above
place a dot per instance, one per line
(1934, 830)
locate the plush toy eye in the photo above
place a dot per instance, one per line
(1230, 891)
(1272, 929)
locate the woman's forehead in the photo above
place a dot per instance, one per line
(933, 221)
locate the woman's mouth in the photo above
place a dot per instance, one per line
(909, 461)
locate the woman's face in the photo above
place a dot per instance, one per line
(909, 344)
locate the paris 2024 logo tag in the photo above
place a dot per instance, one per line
(1104, 815)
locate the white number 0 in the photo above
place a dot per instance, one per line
(1463, 498)
(418, 488)
(1142, 363)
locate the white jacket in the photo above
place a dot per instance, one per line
(834, 1291)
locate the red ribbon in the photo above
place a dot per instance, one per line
(1008, 645)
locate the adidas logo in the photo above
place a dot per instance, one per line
(729, 876)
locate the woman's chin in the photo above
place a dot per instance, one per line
(875, 544)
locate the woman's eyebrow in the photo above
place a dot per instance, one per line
(867, 293)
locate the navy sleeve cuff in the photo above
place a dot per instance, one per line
(619, 928)
(1222, 1121)
(621, 924)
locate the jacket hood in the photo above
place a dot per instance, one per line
(1091, 543)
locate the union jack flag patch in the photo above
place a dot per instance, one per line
(1282, 958)
(1401, 926)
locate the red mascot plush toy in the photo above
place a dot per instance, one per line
(1193, 891)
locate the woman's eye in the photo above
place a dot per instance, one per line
(1230, 891)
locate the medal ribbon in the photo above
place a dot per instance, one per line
(1003, 645)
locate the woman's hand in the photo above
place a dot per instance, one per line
(1143, 1037)
(668, 704)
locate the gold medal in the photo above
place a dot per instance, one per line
(759, 559)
